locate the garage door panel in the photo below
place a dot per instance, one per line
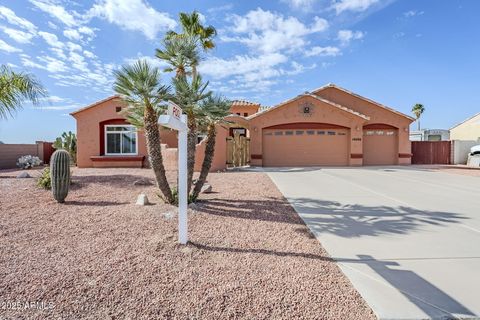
(305, 147)
(380, 147)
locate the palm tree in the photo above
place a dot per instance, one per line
(181, 53)
(193, 30)
(139, 85)
(418, 110)
(188, 94)
(215, 109)
(15, 89)
(192, 26)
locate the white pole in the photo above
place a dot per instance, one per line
(182, 184)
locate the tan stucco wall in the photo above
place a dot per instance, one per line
(469, 130)
(88, 131)
(242, 109)
(377, 114)
(88, 140)
(290, 113)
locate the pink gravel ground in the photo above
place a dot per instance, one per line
(99, 256)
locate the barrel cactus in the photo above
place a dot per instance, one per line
(60, 174)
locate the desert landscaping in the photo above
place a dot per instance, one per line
(99, 255)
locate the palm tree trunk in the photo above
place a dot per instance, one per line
(191, 146)
(154, 148)
(207, 161)
(418, 124)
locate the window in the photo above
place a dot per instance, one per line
(321, 132)
(331, 133)
(289, 133)
(278, 133)
(118, 109)
(120, 140)
(379, 132)
(245, 114)
(390, 133)
(310, 132)
(369, 133)
(299, 132)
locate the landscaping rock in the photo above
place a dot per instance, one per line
(206, 188)
(142, 200)
(142, 182)
(23, 175)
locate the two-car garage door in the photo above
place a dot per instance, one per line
(305, 147)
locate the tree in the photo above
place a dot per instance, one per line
(15, 89)
(181, 53)
(192, 26)
(188, 95)
(193, 30)
(139, 85)
(68, 142)
(418, 110)
(215, 109)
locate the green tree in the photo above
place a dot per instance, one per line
(15, 89)
(418, 110)
(139, 85)
(181, 53)
(192, 26)
(68, 142)
(215, 109)
(188, 95)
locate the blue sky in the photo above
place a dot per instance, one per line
(395, 52)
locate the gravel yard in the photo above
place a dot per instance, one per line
(99, 256)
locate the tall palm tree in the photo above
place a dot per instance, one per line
(15, 89)
(418, 110)
(139, 85)
(215, 109)
(193, 29)
(181, 53)
(188, 95)
(192, 26)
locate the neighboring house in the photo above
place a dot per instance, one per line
(329, 126)
(467, 130)
(430, 135)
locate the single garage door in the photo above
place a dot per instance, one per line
(380, 146)
(305, 147)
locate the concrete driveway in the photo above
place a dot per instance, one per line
(408, 238)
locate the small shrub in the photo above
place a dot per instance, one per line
(28, 161)
(174, 189)
(45, 181)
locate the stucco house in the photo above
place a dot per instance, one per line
(329, 126)
(469, 129)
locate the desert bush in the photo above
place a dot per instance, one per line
(45, 181)
(28, 161)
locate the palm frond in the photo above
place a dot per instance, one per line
(140, 87)
(16, 88)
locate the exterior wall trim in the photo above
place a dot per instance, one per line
(405, 155)
(378, 126)
(306, 125)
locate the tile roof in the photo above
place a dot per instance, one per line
(332, 85)
(244, 103)
(308, 94)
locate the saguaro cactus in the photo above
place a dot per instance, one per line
(60, 174)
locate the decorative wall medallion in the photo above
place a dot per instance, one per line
(306, 109)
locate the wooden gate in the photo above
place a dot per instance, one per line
(431, 152)
(238, 151)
